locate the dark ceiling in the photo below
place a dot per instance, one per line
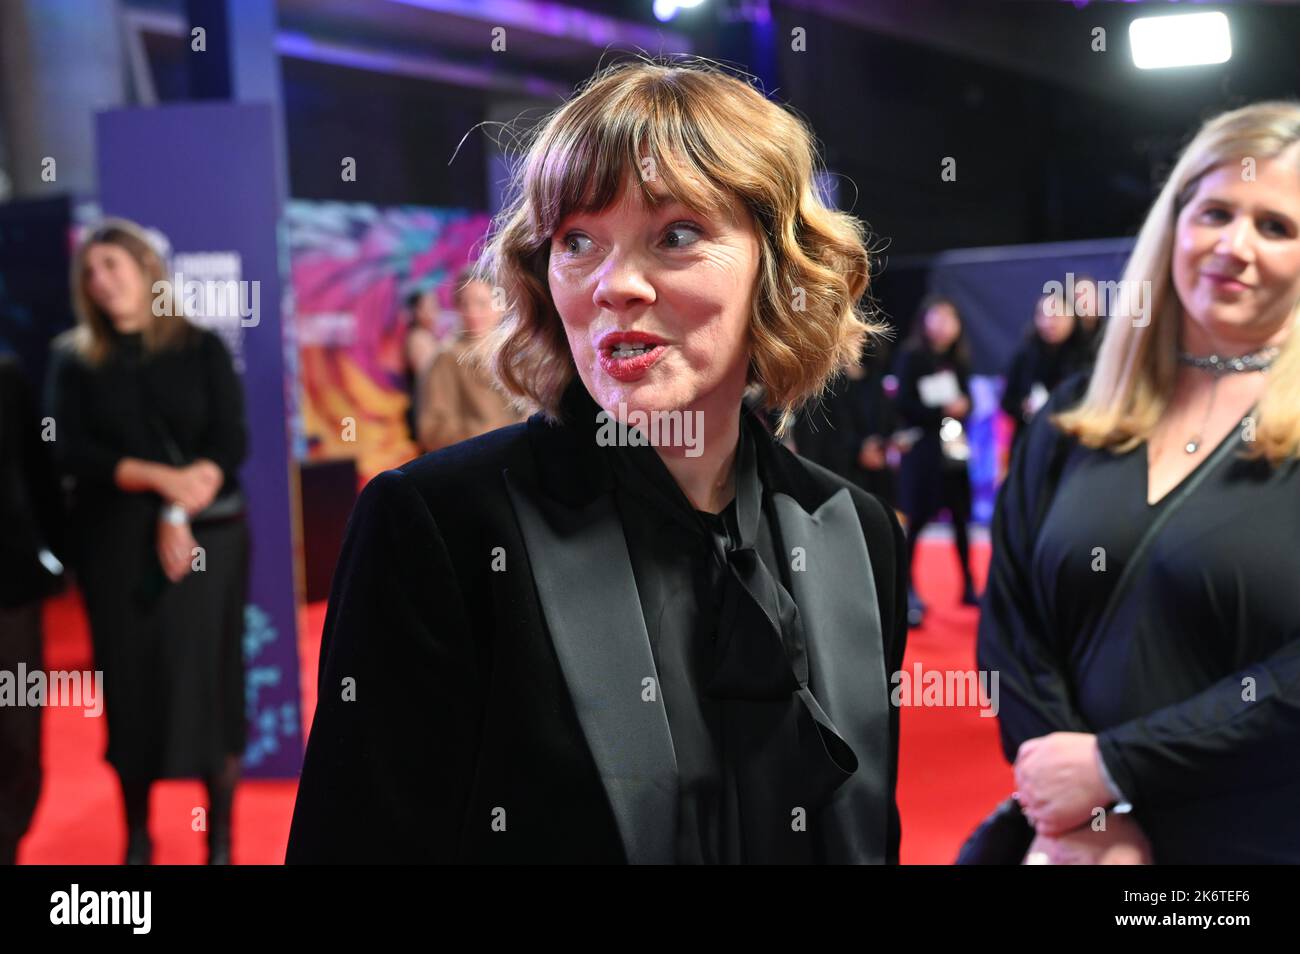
(1054, 140)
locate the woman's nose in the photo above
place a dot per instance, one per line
(1236, 239)
(622, 284)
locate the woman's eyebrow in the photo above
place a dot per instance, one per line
(1278, 214)
(1213, 198)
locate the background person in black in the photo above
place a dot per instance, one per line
(934, 393)
(32, 521)
(876, 423)
(419, 347)
(848, 429)
(130, 392)
(1088, 313)
(824, 430)
(1055, 347)
(565, 649)
(1168, 677)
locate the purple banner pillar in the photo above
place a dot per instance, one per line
(204, 175)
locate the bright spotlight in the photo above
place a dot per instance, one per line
(665, 10)
(1190, 39)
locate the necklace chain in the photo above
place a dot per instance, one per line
(1220, 367)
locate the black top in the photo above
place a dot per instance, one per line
(928, 478)
(139, 404)
(1038, 363)
(831, 430)
(1191, 680)
(728, 646)
(915, 363)
(678, 559)
(1084, 550)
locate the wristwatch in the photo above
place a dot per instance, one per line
(175, 515)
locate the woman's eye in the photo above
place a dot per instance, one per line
(1214, 215)
(681, 235)
(575, 243)
(1275, 227)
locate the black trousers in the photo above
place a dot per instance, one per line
(954, 495)
(20, 728)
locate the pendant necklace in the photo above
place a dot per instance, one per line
(1259, 360)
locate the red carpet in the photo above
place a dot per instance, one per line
(951, 771)
(79, 817)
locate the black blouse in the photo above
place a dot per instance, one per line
(1191, 680)
(1037, 362)
(723, 703)
(137, 404)
(915, 363)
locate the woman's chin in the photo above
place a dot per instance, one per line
(1233, 323)
(620, 397)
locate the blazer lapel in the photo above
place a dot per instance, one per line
(585, 584)
(583, 574)
(837, 604)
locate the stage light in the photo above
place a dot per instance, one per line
(665, 10)
(1192, 39)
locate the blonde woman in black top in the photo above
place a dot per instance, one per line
(1142, 605)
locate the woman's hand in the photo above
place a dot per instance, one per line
(1122, 843)
(871, 455)
(175, 549)
(958, 407)
(193, 487)
(208, 477)
(1059, 783)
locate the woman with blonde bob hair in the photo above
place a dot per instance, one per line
(1142, 605)
(634, 628)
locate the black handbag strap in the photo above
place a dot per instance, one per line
(1170, 506)
(1055, 468)
(169, 445)
(226, 506)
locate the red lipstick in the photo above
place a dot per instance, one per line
(628, 355)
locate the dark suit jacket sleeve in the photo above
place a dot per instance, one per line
(1034, 693)
(1215, 742)
(387, 772)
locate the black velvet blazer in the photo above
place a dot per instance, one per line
(484, 607)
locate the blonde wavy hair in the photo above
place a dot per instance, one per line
(712, 137)
(1137, 366)
(92, 337)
